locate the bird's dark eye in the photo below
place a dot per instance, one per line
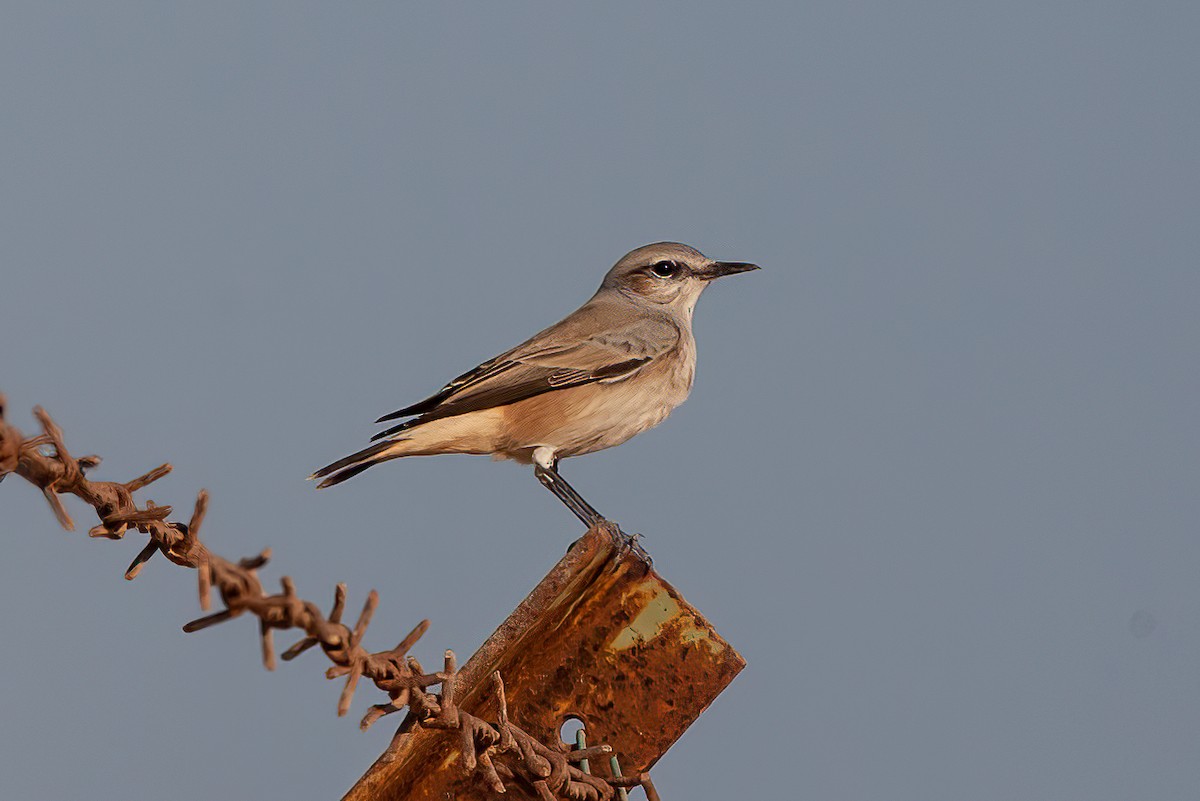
(664, 269)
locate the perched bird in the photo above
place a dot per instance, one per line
(613, 368)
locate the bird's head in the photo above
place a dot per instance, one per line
(668, 274)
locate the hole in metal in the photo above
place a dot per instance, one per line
(571, 725)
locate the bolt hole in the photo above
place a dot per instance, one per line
(571, 725)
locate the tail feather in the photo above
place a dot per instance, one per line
(350, 466)
(460, 434)
(348, 473)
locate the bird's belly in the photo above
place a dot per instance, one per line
(589, 418)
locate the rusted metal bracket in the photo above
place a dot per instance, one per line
(602, 638)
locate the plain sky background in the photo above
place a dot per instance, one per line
(938, 478)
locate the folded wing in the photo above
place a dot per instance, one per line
(565, 355)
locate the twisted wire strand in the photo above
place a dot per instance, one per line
(492, 752)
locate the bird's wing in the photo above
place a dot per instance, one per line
(565, 355)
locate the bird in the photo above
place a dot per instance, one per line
(613, 368)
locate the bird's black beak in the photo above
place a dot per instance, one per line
(721, 268)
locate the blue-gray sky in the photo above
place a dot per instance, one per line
(938, 477)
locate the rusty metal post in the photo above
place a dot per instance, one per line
(601, 638)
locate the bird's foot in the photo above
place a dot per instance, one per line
(627, 544)
(631, 544)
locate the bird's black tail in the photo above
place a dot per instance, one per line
(350, 466)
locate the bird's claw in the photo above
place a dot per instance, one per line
(628, 544)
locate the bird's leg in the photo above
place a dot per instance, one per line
(546, 469)
(558, 485)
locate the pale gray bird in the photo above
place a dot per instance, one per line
(612, 369)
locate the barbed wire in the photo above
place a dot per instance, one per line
(493, 752)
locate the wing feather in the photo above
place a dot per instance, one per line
(562, 356)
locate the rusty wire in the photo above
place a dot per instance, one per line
(550, 772)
